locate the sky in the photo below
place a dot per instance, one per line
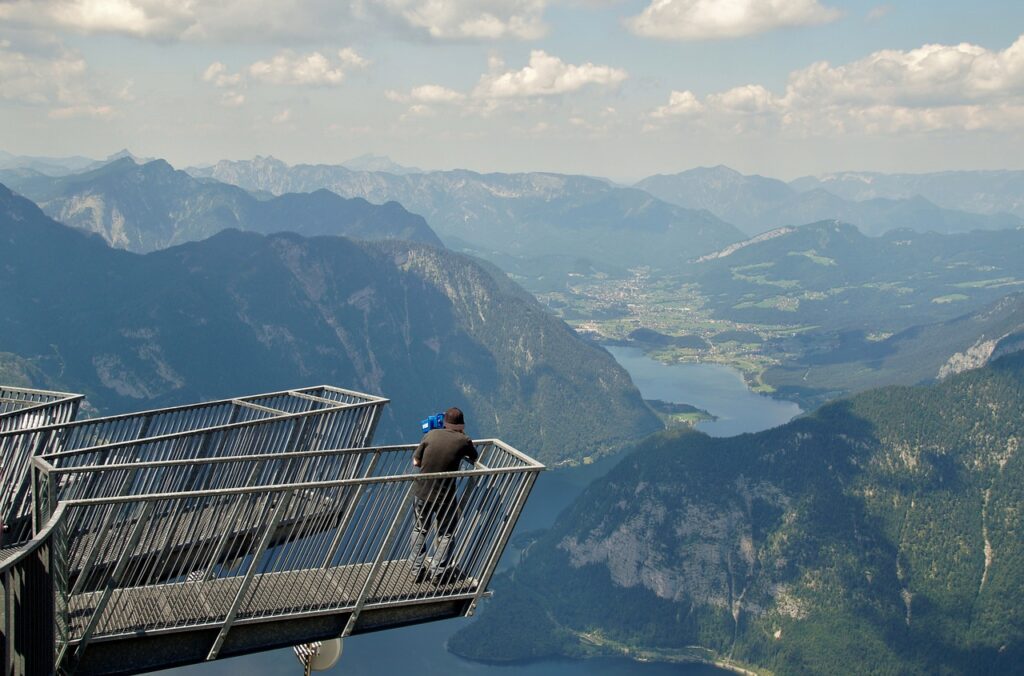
(623, 89)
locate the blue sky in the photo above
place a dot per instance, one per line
(621, 89)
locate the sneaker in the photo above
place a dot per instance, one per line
(421, 575)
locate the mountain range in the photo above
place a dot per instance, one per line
(242, 312)
(758, 204)
(881, 534)
(533, 224)
(983, 192)
(152, 206)
(829, 274)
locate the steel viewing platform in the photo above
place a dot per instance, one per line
(182, 535)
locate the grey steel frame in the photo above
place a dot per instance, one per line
(168, 523)
(30, 575)
(287, 550)
(25, 409)
(314, 417)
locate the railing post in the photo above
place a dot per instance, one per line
(44, 489)
(257, 556)
(59, 570)
(7, 601)
(388, 541)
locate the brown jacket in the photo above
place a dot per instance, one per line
(441, 451)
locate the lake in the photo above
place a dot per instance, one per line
(718, 389)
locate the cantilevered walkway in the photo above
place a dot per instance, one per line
(176, 536)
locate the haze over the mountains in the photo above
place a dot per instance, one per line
(242, 312)
(145, 207)
(505, 217)
(757, 204)
(456, 202)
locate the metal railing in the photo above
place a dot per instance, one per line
(22, 410)
(310, 418)
(239, 512)
(270, 543)
(17, 403)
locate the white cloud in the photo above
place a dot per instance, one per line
(280, 20)
(418, 110)
(232, 99)
(429, 93)
(283, 116)
(747, 99)
(470, 19)
(545, 75)
(931, 88)
(284, 68)
(715, 19)
(57, 81)
(138, 18)
(217, 73)
(289, 68)
(351, 59)
(679, 104)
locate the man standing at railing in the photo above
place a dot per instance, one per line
(442, 450)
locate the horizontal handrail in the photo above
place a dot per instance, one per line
(29, 547)
(192, 432)
(18, 432)
(368, 398)
(41, 461)
(308, 485)
(22, 406)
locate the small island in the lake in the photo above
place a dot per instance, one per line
(675, 415)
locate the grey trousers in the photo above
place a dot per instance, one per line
(444, 512)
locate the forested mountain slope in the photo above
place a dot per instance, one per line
(851, 361)
(882, 534)
(244, 313)
(830, 274)
(151, 206)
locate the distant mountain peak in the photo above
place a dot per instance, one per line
(382, 163)
(125, 153)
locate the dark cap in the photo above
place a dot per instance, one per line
(453, 417)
